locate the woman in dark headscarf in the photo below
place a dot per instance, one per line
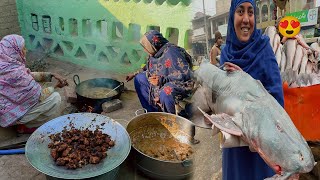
(249, 50)
(167, 76)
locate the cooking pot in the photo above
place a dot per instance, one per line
(96, 103)
(180, 128)
(38, 153)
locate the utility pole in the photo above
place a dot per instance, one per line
(206, 29)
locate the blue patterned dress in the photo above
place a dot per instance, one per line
(172, 64)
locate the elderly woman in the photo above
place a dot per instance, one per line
(249, 50)
(166, 77)
(23, 101)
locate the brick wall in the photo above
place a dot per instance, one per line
(8, 18)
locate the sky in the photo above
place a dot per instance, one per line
(210, 6)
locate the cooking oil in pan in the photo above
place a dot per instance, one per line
(98, 92)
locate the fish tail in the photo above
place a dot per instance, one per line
(310, 79)
(283, 76)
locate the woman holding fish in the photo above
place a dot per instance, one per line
(248, 50)
(167, 77)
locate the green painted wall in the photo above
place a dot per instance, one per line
(101, 34)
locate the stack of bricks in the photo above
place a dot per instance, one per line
(112, 105)
(9, 23)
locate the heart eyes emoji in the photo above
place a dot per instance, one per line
(289, 26)
(294, 23)
(284, 24)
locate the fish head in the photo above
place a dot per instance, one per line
(307, 161)
(299, 155)
(300, 161)
(272, 133)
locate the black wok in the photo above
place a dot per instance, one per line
(95, 103)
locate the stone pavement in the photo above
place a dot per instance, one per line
(207, 152)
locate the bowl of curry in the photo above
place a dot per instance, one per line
(162, 145)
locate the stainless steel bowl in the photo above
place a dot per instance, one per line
(182, 129)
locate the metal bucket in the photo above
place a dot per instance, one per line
(38, 153)
(183, 131)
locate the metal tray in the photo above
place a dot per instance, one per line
(38, 153)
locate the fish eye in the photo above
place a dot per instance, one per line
(301, 158)
(279, 127)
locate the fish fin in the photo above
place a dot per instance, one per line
(284, 76)
(310, 79)
(304, 78)
(224, 122)
(295, 75)
(299, 80)
(290, 76)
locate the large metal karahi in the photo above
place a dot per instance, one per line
(38, 153)
(182, 129)
(86, 85)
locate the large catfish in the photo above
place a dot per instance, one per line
(244, 108)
